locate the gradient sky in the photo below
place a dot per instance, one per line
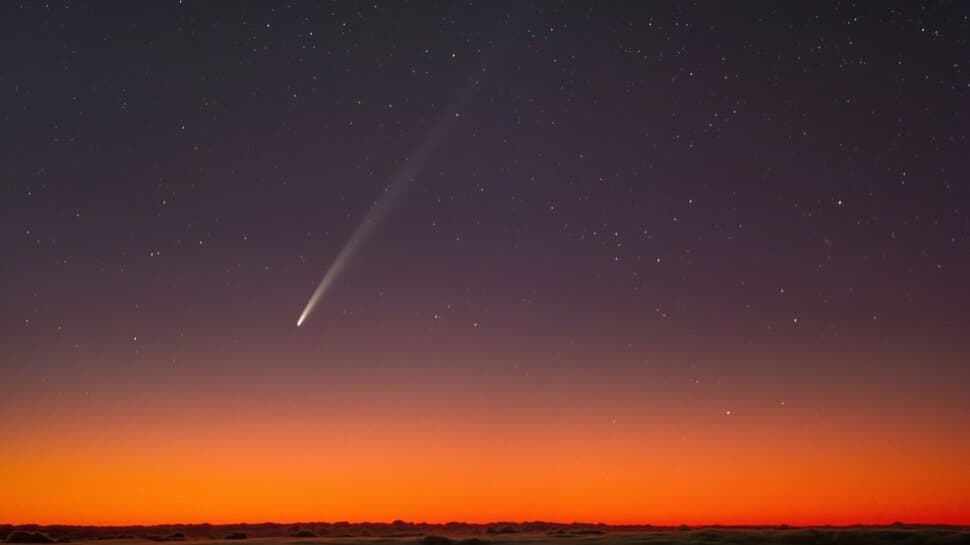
(670, 263)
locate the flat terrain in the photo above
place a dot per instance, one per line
(501, 534)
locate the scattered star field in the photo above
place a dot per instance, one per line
(691, 262)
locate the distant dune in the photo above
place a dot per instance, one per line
(505, 533)
(24, 536)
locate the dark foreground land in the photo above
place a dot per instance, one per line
(401, 533)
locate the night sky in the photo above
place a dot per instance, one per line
(630, 262)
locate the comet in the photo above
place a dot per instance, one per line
(396, 186)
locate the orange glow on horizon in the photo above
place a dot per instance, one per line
(284, 467)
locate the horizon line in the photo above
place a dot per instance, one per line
(401, 522)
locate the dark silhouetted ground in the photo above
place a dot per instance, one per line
(539, 533)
